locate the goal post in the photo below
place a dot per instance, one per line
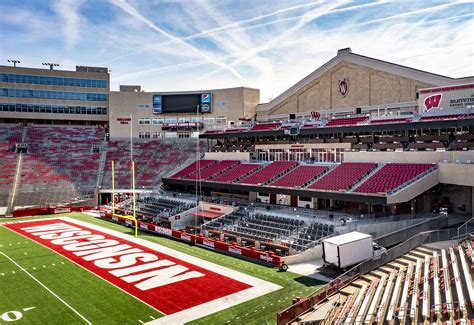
(132, 217)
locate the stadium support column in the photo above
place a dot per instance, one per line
(472, 201)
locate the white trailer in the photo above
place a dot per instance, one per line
(347, 249)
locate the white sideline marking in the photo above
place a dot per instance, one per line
(45, 287)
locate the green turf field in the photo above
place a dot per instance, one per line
(101, 303)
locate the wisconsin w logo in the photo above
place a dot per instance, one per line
(432, 101)
(344, 87)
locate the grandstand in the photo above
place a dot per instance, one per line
(425, 285)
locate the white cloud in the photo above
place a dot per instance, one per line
(69, 13)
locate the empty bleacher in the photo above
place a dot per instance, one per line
(300, 176)
(391, 176)
(269, 172)
(9, 136)
(213, 170)
(344, 121)
(193, 168)
(241, 171)
(61, 165)
(265, 126)
(424, 286)
(161, 206)
(343, 176)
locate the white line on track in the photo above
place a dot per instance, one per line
(45, 287)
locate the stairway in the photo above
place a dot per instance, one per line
(16, 184)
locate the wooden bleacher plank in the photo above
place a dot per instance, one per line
(406, 287)
(467, 275)
(371, 311)
(395, 295)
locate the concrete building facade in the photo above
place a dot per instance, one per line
(30, 95)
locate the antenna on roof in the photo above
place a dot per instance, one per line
(51, 65)
(14, 62)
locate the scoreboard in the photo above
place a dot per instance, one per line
(185, 103)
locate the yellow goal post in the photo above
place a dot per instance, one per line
(132, 217)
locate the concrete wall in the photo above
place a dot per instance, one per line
(311, 254)
(234, 103)
(413, 190)
(380, 229)
(457, 174)
(409, 157)
(244, 156)
(367, 86)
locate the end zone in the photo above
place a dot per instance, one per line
(174, 283)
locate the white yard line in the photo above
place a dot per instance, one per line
(45, 287)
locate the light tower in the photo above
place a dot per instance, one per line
(14, 62)
(51, 65)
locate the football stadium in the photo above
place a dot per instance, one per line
(346, 199)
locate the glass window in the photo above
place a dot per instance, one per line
(144, 121)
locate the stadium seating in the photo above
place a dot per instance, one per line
(400, 119)
(347, 121)
(265, 126)
(423, 286)
(213, 170)
(234, 174)
(300, 176)
(153, 159)
(269, 172)
(193, 168)
(343, 176)
(391, 176)
(9, 136)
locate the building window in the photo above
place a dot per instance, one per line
(170, 120)
(157, 121)
(196, 119)
(144, 121)
(209, 120)
(221, 119)
(52, 81)
(50, 94)
(144, 135)
(52, 109)
(156, 135)
(143, 106)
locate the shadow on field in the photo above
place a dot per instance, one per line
(309, 282)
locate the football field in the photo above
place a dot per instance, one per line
(80, 270)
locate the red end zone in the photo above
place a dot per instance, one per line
(164, 282)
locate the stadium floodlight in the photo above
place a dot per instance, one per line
(14, 62)
(51, 65)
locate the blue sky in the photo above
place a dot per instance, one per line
(203, 44)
